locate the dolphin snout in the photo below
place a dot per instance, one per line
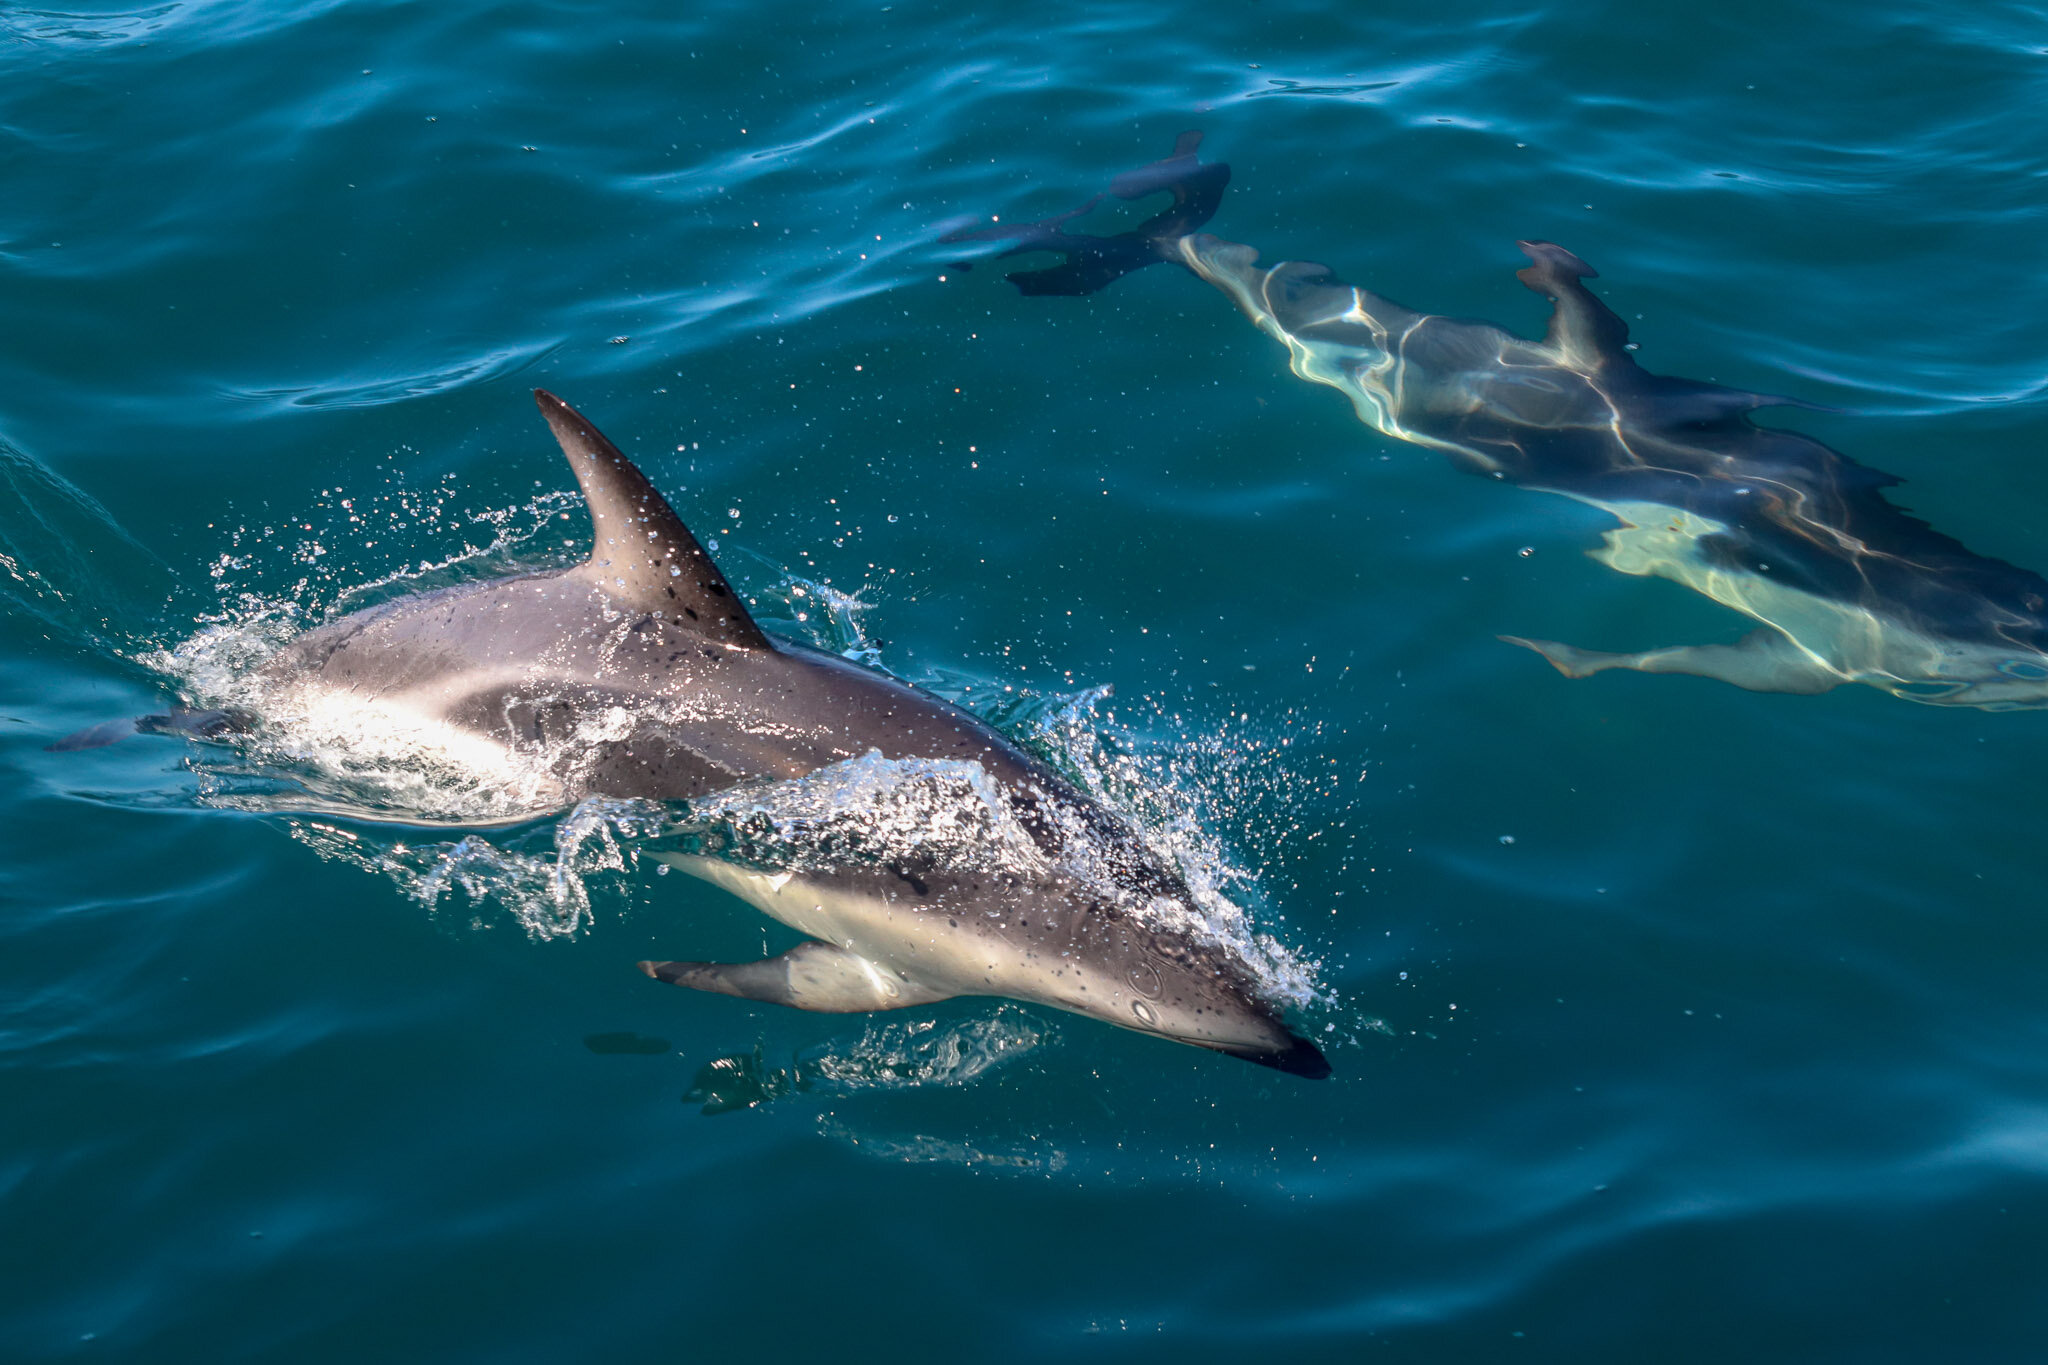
(1299, 1058)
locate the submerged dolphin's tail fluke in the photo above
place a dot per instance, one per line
(1094, 262)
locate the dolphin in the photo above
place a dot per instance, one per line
(639, 673)
(1845, 586)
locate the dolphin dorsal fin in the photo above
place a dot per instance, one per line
(1582, 328)
(643, 555)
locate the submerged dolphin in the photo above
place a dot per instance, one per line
(639, 673)
(1846, 586)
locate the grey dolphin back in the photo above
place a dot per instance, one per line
(641, 553)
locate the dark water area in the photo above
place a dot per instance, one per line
(1670, 1021)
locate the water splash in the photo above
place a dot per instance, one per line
(542, 876)
(950, 816)
(1178, 786)
(317, 751)
(920, 1149)
(869, 810)
(897, 1055)
(821, 615)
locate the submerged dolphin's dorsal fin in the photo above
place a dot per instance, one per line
(1582, 328)
(643, 555)
(1592, 338)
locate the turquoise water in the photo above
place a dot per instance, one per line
(1671, 1022)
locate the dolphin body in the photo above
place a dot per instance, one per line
(640, 674)
(1846, 587)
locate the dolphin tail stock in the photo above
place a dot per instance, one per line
(184, 721)
(1764, 660)
(1094, 262)
(811, 976)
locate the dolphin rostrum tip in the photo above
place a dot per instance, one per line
(1304, 1059)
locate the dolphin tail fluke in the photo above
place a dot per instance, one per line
(187, 723)
(1094, 262)
(1762, 661)
(810, 976)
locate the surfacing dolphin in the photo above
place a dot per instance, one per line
(1846, 586)
(640, 674)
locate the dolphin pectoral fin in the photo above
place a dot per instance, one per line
(810, 976)
(1762, 661)
(1570, 660)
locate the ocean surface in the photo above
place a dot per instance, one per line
(1670, 1022)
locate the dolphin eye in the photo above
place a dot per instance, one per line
(2023, 670)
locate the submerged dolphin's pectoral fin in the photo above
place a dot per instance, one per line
(642, 555)
(184, 722)
(1762, 661)
(810, 976)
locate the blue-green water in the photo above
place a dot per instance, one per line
(1671, 1022)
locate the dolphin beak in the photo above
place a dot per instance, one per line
(1303, 1059)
